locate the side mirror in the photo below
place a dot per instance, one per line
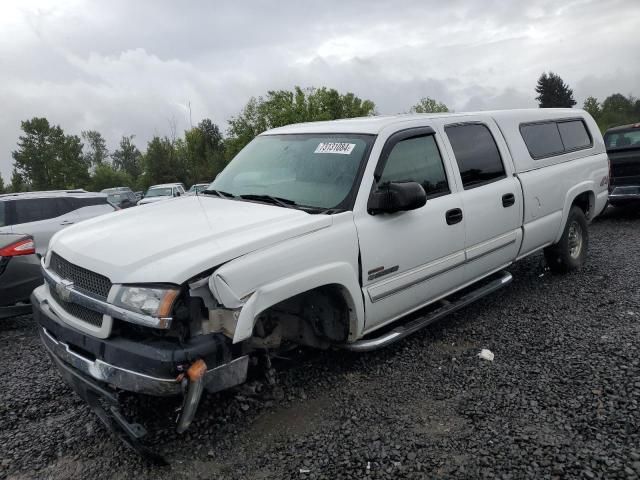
(177, 194)
(397, 197)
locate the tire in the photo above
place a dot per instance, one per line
(570, 253)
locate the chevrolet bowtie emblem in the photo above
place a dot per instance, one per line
(63, 289)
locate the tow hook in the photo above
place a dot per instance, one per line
(192, 385)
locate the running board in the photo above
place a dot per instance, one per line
(413, 326)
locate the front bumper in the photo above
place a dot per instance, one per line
(151, 366)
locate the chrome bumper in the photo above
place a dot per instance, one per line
(216, 379)
(625, 193)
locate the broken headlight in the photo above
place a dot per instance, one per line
(152, 301)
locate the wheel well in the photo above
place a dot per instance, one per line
(318, 317)
(586, 202)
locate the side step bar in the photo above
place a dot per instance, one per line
(447, 307)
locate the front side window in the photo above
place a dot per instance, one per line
(417, 160)
(312, 170)
(3, 216)
(476, 153)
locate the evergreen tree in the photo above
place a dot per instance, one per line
(553, 92)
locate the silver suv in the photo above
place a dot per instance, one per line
(41, 214)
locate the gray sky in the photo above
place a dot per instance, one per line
(132, 67)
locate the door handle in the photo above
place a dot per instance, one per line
(453, 216)
(508, 199)
(67, 222)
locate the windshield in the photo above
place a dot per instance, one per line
(315, 170)
(623, 139)
(158, 192)
(198, 188)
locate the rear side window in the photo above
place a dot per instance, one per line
(542, 139)
(574, 135)
(3, 215)
(547, 139)
(477, 154)
(417, 160)
(36, 209)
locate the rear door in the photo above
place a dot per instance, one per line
(411, 258)
(41, 218)
(491, 196)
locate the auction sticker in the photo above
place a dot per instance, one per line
(335, 147)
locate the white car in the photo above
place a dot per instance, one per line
(196, 188)
(317, 234)
(161, 192)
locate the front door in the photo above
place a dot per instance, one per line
(411, 258)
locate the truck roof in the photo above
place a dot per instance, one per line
(51, 194)
(373, 125)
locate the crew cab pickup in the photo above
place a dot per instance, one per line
(324, 234)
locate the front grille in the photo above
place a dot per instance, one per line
(83, 313)
(82, 278)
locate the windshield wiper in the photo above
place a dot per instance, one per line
(219, 193)
(282, 202)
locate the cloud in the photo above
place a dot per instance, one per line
(126, 67)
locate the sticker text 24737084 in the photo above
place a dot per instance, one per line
(340, 148)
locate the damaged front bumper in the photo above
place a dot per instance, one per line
(99, 369)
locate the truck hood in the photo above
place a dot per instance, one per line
(174, 240)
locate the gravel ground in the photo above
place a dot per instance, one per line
(560, 400)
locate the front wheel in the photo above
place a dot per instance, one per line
(570, 252)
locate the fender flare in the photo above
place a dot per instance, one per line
(338, 273)
(572, 194)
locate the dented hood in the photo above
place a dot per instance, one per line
(175, 240)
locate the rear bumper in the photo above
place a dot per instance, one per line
(151, 366)
(624, 193)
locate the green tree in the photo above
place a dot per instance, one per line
(161, 162)
(95, 148)
(553, 92)
(17, 182)
(618, 110)
(592, 106)
(46, 158)
(283, 107)
(202, 152)
(429, 105)
(2, 187)
(106, 176)
(127, 158)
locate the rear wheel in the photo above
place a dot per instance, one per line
(570, 252)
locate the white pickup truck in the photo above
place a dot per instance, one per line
(324, 234)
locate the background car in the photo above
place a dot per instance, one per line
(623, 149)
(41, 214)
(161, 192)
(19, 273)
(197, 188)
(139, 194)
(121, 197)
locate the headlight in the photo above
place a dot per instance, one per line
(156, 302)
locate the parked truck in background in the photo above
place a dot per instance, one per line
(623, 147)
(323, 234)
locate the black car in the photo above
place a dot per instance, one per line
(121, 197)
(623, 148)
(19, 273)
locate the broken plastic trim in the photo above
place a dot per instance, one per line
(193, 383)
